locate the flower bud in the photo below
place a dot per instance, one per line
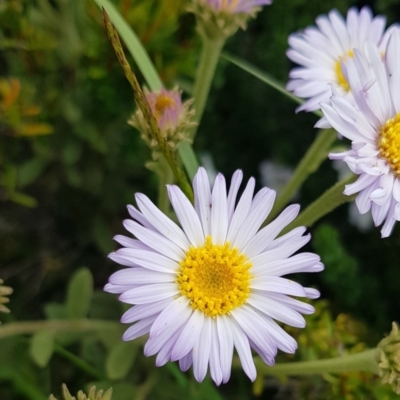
(389, 364)
(173, 117)
(222, 18)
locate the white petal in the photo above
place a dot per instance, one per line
(241, 211)
(266, 235)
(187, 216)
(145, 259)
(188, 336)
(149, 293)
(277, 285)
(131, 243)
(139, 329)
(161, 222)
(225, 345)
(219, 211)
(261, 207)
(279, 253)
(303, 262)
(140, 276)
(294, 304)
(154, 240)
(233, 190)
(202, 199)
(186, 362)
(215, 363)
(178, 310)
(243, 349)
(201, 351)
(142, 311)
(277, 310)
(252, 325)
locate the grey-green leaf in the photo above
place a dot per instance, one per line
(42, 346)
(79, 295)
(120, 360)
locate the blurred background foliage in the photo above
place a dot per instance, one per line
(69, 164)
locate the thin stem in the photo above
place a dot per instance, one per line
(210, 52)
(330, 200)
(365, 361)
(78, 362)
(164, 178)
(310, 162)
(65, 325)
(143, 105)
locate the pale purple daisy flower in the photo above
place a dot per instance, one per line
(214, 283)
(372, 122)
(320, 50)
(236, 6)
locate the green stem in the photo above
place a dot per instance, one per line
(78, 362)
(188, 158)
(164, 178)
(313, 158)
(331, 199)
(210, 52)
(144, 107)
(25, 387)
(365, 361)
(65, 325)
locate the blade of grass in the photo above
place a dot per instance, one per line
(264, 77)
(134, 45)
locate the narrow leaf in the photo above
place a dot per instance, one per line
(133, 44)
(264, 77)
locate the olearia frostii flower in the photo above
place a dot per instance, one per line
(222, 18)
(319, 52)
(372, 122)
(214, 283)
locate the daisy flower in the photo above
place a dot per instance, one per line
(222, 18)
(372, 123)
(214, 283)
(235, 6)
(320, 50)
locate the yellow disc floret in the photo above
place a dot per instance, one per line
(339, 73)
(389, 143)
(216, 278)
(163, 102)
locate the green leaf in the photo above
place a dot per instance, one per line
(264, 77)
(23, 199)
(120, 360)
(189, 158)
(134, 45)
(79, 295)
(55, 311)
(42, 346)
(30, 171)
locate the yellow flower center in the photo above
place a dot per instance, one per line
(216, 278)
(339, 73)
(389, 143)
(162, 103)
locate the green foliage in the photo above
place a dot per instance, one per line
(341, 273)
(63, 196)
